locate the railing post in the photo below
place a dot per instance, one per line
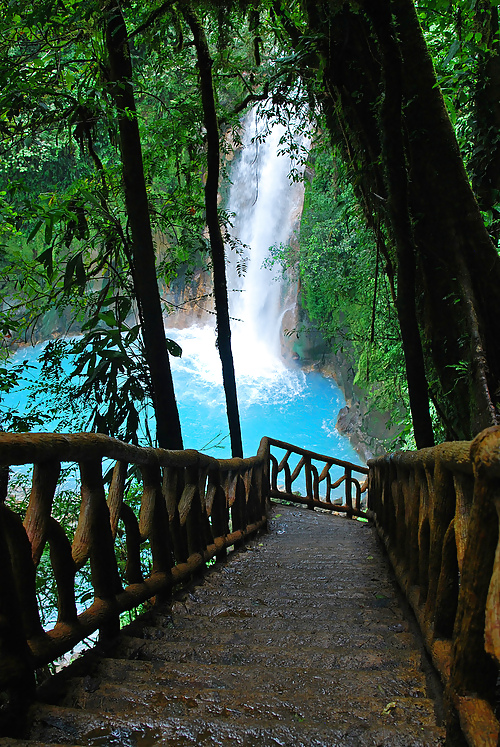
(237, 501)
(17, 678)
(194, 525)
(441, 513)
(94, 523)
(348, 490)
(219, 509)
(173, 485)
(309, 483)
(265, 472)
(36, 521)
(154, 517)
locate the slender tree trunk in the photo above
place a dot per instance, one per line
(168, 430)
(216, 241)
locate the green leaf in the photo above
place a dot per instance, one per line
(132, 334)
(108, 318)
(173, 348)
(74, 267)
(80, 274)
(35, 230)
(389, 707)
(47, 260)
(49, 226)
(452, 51)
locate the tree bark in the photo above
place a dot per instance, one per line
(459, 266)
(168, 429)
(484, 164)
(216, 240)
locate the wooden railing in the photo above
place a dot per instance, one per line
(192, 507)
(314, 470)
(437, 512)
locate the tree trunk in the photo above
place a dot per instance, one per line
(459, 266)
(168, 429)
(484, 164)
(216, 241)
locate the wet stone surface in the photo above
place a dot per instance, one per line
(297, 640)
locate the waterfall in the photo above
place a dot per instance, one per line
(275, 399)
(266, 206)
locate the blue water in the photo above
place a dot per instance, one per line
(277, 401)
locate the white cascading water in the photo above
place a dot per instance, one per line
(265, 204)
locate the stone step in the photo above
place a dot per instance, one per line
(375, 683)
(362, 637)
(10, 742)
(329, 588)
(114, 699)
(298, 642)
(223, 631)
(377, 606)
(284, 694)
(336, 630)
(317, 603)
(345, 613)
(249, 652)
(67, 725)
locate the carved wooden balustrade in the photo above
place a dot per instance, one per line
(437, 512)
(192, 508)
(318, 485)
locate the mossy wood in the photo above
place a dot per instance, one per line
(437, 512)
(192, 508)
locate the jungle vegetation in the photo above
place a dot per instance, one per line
(113, 118)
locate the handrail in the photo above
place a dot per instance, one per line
(193, 507)
(315, 480)
(437, 511)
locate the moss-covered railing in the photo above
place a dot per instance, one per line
(315, 470)
(191, 508)
(437, 511)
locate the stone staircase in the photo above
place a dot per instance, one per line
(299, 639)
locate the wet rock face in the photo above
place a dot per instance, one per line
(298, 640)
(190, 301)
(365, 428)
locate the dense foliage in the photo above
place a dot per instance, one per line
(347, 294)
(68, 240)
(384, 213)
